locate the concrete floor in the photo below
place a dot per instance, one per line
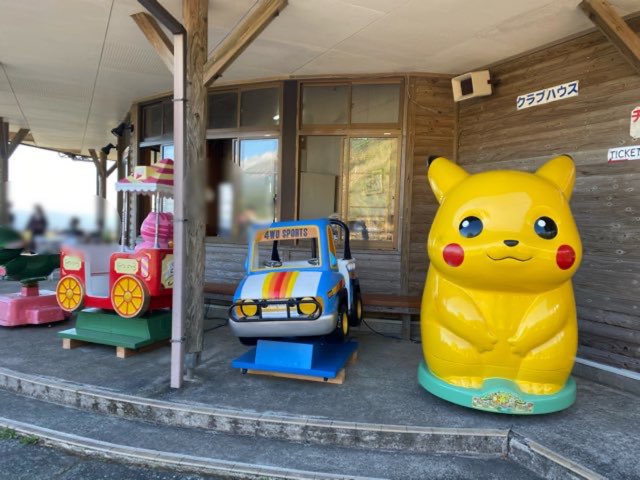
(601, 431)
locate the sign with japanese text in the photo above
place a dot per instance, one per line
(634, 127)
(547, 95)
(623, 153)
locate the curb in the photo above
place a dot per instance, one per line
(291, 428)
(154, 458)
(419, 439)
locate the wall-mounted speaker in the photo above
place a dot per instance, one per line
(471, 85)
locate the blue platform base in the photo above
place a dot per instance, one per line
(308, 359)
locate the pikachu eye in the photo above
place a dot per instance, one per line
(546, 228)
(470, 227)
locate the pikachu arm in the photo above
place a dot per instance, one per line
(544, 319)
(460, 315)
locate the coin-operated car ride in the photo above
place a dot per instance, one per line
(130, 283)
(310, 293)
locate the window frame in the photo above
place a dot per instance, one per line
(360, 130)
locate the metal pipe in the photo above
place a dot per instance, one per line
(179, 254)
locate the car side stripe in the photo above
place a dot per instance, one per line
(291, 282)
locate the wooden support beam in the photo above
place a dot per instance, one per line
(156, 36)
(17, 139)
(195, 18)
(94, 157)
(613, 26)
(112, 168)
(4, 171)
(256, 20)
(28, 138)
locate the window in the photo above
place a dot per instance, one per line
(260, 108)
(353, 177)
(325, 105)
(375, 103)
(256, 108)
(243, 150)
(242, 184)
(157, 120)
(349, 152)
(222, 110)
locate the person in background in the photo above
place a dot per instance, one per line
(36, 226)
(73, 234)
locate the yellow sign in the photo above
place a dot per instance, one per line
(71, 263)
(288, 233)
(126, 265)
(167, 272)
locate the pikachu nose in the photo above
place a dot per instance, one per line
(511, 243)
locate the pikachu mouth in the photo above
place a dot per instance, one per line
(508, 257)
(498, 258)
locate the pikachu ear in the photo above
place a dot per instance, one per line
(560, 171)
(443, 175)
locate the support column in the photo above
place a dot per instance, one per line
(4, 171)
(195, 13)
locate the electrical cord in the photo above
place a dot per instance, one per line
(393, 337)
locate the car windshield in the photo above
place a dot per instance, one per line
(268, 254)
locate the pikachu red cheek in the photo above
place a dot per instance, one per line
(565, 257)
(453, 255)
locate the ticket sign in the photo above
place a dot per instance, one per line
(71, 263)
(634, 127)
(126, 265)
(288, 233)
(623, 153)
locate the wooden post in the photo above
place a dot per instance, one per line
(613, 26)
(4, 172)
(194, 14)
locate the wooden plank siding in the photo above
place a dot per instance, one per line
(491, 134)
(431, 125)
(378, 270)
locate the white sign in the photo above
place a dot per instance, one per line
(623, 153)
(547, 95)
(634, 127)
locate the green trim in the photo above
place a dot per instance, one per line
(108, 328)
(498, 395)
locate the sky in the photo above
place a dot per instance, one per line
(63, 187)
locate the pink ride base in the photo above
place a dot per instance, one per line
(29, 307)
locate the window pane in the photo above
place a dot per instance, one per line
(223, 110)
(375, 103)
(152, 120)
(320, 160)
(325, 105)
(260, 108)
(257, 180)
(372, 188)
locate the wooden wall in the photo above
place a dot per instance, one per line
(492, 134)
(378, 270)
(431, 128)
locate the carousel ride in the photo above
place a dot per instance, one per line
(123, 297)
(31, 305)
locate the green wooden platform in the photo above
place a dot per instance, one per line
(105, 327)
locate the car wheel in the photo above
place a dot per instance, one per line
(341, 332)
(357, 309)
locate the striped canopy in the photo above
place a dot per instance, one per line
(157, 178)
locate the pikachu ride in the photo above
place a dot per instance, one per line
(498, 315)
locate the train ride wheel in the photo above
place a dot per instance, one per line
(70, 293)
(129, 296)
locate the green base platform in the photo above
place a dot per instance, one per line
(105, 327)
(498, 395)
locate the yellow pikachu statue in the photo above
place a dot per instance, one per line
(498, 316)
